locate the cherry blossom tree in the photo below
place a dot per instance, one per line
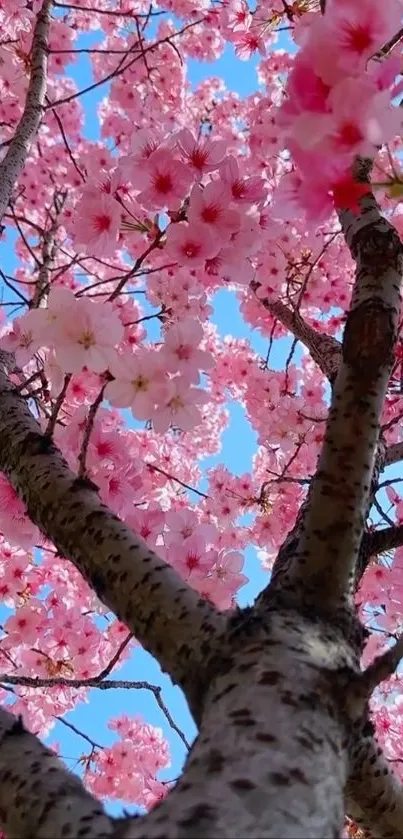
(114, 390)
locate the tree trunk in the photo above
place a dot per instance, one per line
(271, 758)
(276, 689)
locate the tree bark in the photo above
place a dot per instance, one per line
(166, 615)
(374, 795)
(272, 687)
(11, 165)
(324, 349)
(250, 772)
(276, 689)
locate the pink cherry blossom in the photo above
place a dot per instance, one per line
(24, 625)
(210, 206)
(181, 349)
(358, 32)
(14, 522)
(179, 407)
(191, 244)
(227, 569)
(118, 488)
(362, 120)
(243, 190)
(21, 339)
(163, 181)
(249, 42)
(87, 336)
(235, 14)
(139, 382)
(95, 222)
(205, 155)
(46, 322)
(149, 523)
(142, 144)
(190, 558)
(183, 523)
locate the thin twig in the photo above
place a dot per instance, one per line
(108, 684)
(56, 407)
(177, 480)
(88, 431)
(70, 725)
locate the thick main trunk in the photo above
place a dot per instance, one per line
(271, 759)
(272, 688)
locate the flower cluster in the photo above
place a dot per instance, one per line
(338, 103)
(131, 256)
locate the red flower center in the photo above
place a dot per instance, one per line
(102, 223)
(210, 213)
(359, 38)
(163, 183)
(350, 134)
(191, 249)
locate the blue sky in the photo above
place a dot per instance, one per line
(238, 446)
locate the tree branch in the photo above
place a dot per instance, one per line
(31, 117)
(324, 349)
(394, 453)
(95, 682)
(379, 541)
(381, 668)
(166, 615)
(374, 795)
(323, 566)
(46, 797)
(290, 544)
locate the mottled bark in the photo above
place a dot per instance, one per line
(374, 796)
(282, 729)
(270, 761)
(324, 349)
(394, 453)
(334, 524)
(38, 797)
(166, 615)
(383, 540)
(276, 689)
(271, 758)
(12, 163)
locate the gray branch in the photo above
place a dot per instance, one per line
(325, 561)
(165, 614)
(324, 349)
(374, 795)
(17, 152)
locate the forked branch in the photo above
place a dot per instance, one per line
(323, 566)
